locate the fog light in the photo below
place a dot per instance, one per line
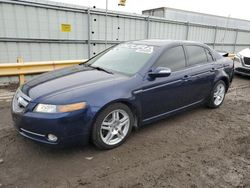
(52, 138)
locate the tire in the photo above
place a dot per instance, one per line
(217, 95)
(111, 128)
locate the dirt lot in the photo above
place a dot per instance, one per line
(199, 148)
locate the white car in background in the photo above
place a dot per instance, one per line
(242, 62)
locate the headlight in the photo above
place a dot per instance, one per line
(240, 56)
(50, 108)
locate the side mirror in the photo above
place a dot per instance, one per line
(160, 72)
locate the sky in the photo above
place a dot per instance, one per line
(234, 9)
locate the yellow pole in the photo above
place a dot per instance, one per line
(21, 76)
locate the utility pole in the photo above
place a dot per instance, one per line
(122, 3)
(227, 22)
(106, 24)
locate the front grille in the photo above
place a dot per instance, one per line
(243, 70)
(15, 105)
(20, 102)
(247, 61)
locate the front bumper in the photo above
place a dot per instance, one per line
(67, 127)
(240, 67)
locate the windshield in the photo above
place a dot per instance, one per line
(124, 58)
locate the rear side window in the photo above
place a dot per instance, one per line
(172, 58)
(209, 55)
(196, 55)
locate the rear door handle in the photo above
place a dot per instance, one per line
(186, 77)
(212, 70)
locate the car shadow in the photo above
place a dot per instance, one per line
(242, 76)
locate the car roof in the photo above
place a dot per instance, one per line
(163, 42)
(167, 43)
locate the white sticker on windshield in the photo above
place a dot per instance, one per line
(139, 48)
(146, 49)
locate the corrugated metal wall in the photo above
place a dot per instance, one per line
(32, 30)
(197, 17)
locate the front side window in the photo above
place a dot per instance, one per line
(127, 58)
(196, 55)
(173, 58)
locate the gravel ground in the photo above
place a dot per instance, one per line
(198, 148)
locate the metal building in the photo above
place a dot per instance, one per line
(197, 17)
(45, 30)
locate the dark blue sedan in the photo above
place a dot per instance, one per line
(129, 85)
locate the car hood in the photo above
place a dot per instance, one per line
(245, 53)
(68, 80)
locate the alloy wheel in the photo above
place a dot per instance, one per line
(115, 127)
(219, 94)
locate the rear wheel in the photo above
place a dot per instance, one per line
(112, 126)
(217, 95)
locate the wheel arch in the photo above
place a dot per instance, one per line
(224, 77)
(134, 109)
(226, 81)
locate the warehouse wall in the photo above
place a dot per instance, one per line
(197, 17)
(32, 30)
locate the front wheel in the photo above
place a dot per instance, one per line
(217, 95)
(112, 126)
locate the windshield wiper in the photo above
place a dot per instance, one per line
(100, 69)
